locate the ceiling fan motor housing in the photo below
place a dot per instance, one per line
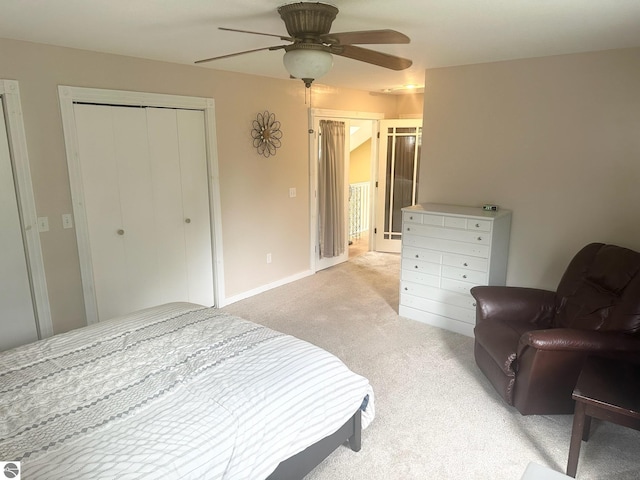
(306, 21)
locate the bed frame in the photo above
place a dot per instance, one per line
(296, 467)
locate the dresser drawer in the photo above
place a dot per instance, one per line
(471, 263)
(464, 275)
(479, 225)
(420, 266)
(439, 295)
(422, 254)
(447, 233)
(423, 218)
(455, 222)
(463, 223)
(457, 285)
(410, 217)
(419, 278)
(449, 246)
(467, 315)
(416, 289)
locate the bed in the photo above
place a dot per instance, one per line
(176, 391)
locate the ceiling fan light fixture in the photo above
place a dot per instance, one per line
(308, 64)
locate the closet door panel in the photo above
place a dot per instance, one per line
(135, 189)
(17, 322)
(167, 198)
(97, 152)
(146, 195)
(195, 194)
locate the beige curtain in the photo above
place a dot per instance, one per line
(331, 221)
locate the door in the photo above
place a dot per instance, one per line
(144, 177)
(398, 170)
(18, 320)
(332, 153)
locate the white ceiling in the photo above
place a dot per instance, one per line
(442, 32)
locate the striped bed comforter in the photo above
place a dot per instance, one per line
(176, 391)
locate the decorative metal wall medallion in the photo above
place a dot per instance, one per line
(266, 134)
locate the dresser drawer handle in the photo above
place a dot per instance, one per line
(465, 264)
(477, 225)
(464, 276)
(408, 229)
(406, 289)
(474, 304)
(479, 239)
(417, 255)
(415, 266)
(410, 218)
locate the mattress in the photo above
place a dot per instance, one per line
(175, 391)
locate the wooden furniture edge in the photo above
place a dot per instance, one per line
(299, 465)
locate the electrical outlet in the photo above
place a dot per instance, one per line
(292, 192)
(67, 220)
(268, 258)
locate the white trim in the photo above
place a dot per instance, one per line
(10, 92)
(264, 288)
(69, 95)
(314, 114)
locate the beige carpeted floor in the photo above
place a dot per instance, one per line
(437, 417)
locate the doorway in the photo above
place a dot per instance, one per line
(23, 290)
(355, 183)
(361, 135)
(398, 173)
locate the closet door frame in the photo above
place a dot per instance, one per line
(69, 95)
(10, 96)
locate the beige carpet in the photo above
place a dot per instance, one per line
(437, 417)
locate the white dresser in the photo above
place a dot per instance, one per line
(446, 250)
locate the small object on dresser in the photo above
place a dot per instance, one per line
(489, 207)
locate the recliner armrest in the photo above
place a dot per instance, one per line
(569, 339)
(514, 304)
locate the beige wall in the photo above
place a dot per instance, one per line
(360, 163)
(410, 104)
(258, 217)
(555, 139)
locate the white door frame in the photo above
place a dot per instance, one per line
(68, 96)
(314, 115)
(10, 95)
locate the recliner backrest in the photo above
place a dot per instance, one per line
(600, 290)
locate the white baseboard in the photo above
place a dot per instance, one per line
(264, 288)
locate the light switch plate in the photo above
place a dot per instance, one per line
(43, 224)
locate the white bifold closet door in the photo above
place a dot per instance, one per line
(146, 202)
(17, 321)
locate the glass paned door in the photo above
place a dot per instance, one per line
(398, 173)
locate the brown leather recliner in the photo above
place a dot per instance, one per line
(531, 343)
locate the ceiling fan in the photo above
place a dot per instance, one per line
(309, 56)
